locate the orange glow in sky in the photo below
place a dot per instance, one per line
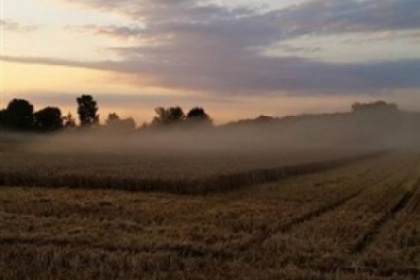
(238, 60)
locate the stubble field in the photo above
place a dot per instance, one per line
(353, 218)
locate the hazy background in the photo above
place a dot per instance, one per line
(360, 132)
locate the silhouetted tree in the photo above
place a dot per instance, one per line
(264, 119)
(144, 125)
(115, 124)
(48, 119)
(199, 116)
(126, 125)
(168, 116)
(3, 114)
(69, 121)
(112, 118)
(374, 107)
(87, 110)
(18, 115)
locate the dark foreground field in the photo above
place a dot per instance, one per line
(355, 221)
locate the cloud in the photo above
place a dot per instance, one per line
(338, 16)
(310, 17)
(118, 32)
(16, 27)
(197, 45)
(286, 74)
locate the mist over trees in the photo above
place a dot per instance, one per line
(19, 116)
(175, 116)
(69, 121)
(115, 124)
(168, 116)
(374, 107)
(374, 123)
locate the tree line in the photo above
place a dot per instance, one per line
(19, 115)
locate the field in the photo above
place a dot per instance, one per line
(344, 217)
(172, 170)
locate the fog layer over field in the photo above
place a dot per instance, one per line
(359, 132)
(194, 159)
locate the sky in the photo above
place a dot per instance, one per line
(236, 58)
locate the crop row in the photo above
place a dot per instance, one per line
(214, 183)
(303, 227)
(334, 239)
(400, 237)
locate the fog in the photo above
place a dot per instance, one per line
(357, 132)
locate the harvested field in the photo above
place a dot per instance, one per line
(173, 171)
(358, 220)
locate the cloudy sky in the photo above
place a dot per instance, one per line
(236, 58)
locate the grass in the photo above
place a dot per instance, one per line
(302, 227)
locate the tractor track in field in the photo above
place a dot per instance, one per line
(183, 250)
(375, 228)
(332, 206)
(393, 186)
(316, 213)
(261, 238)
(384, 272)
(189, 251)
(372, 271)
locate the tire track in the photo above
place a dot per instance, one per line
(188, 251)
(318, 212)
(383, 272)
(321, 211)
(183, 250)
(334, 205)
(371, 271)
(258, 240)
(375, 228)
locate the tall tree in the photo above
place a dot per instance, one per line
(48, 119)
(87, 111)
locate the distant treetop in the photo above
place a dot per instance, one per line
(198, 115)
(374, 107)
(18, 115)
(168, 116)
(48, 119)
